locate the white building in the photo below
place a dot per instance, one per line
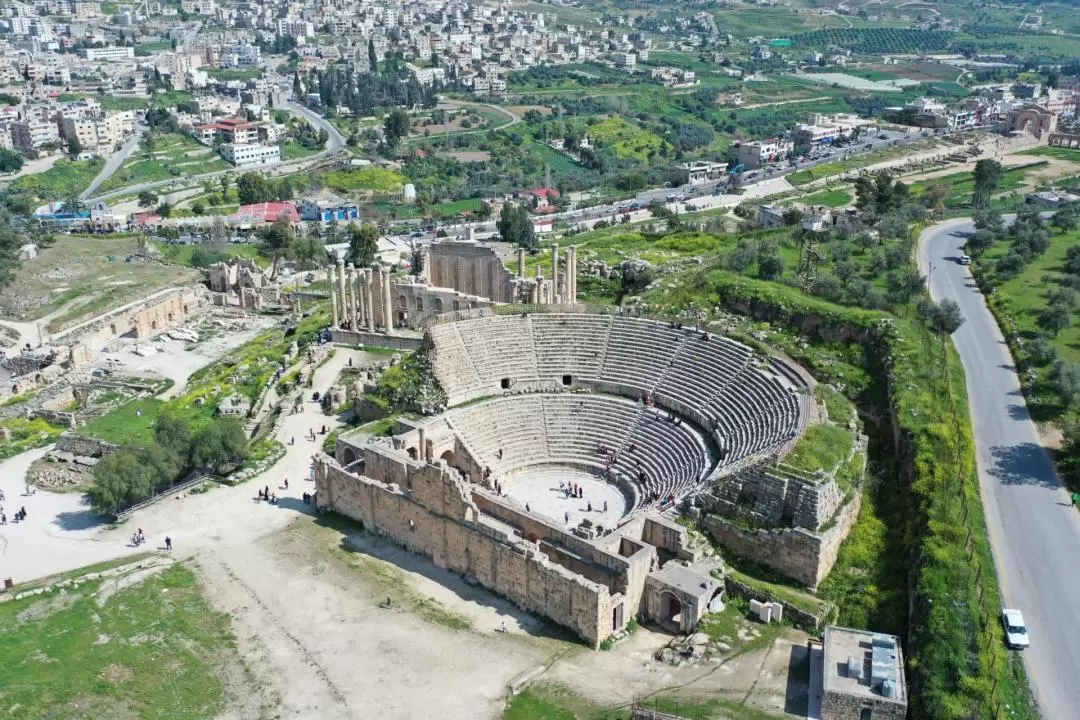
(109, 53)
(249, 155)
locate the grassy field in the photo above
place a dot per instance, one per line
(822, 447)
(64, 178)
(962, 185)
(154, 650)
(829, 198)
(296, 151)
(132, 422)
(626, 139)
(158, 100)
(173, 156)
(242, 75)
(26, 434)
(181, 254)
(1026, 295)
(366, 178)
(1060, 153)
(75, 276)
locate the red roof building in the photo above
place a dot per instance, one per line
(264, 213)
(230, 130)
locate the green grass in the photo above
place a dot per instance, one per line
(829, 198)
(839, 408)
(132, 422)
(64, 178)
(1061, 153)
(797, 599)
(962, 185)
(822, 447)
(26, 435)
(158, 100)
(626, 139)
(224, 75)
(174, 156)
(296, 151)
(153, 650)
(181, 254)
(366, 178)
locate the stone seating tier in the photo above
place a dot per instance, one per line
(749, 410)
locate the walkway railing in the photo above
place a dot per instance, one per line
(179, 487)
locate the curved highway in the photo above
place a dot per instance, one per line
(1034, 532)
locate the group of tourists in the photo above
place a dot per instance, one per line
(138, 538)
(265, 494)
(571, 490)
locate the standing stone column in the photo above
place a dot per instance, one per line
(521, 262)
(369, 278)
(573, 269)
(387, 307)
(333, 295)
(534, 294)
(343, 307)
(360, 298)
(555, 272)
(422, 455)
(350, 297)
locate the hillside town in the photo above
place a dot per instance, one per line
(527, 360)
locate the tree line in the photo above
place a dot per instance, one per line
(136, 472)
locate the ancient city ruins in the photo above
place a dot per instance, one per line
(566, 441)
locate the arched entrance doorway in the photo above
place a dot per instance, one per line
(671, 612)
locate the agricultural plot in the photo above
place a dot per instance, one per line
(62, 180)
(879, 40)
(366, 178)
(858, 83)
(627, 140)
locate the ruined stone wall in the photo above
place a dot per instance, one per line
(139, 319)
(841, 706)
(430, 513)
(398, 342)
(415, 305)
(802, 555)
(470, 268)
(770, 496)
(83, 445)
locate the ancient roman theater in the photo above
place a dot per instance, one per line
(568, 441)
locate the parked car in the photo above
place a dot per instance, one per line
(1016, 634)
(635, 206)
(965, 259)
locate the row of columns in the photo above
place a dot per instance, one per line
(560, 289)
(352, 293)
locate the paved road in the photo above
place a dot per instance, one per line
(1034, 532)
(115, 161)
(334, 145)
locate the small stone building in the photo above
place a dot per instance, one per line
(863, 676)
(676, 597)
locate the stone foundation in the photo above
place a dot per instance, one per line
(802, 555)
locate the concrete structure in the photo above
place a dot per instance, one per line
(863, 676)
(250, 155)
(699, 171)
(760, 152)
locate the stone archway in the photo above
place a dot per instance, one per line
(448, 457)
(671, 612)
(412, 453)
(348, 456)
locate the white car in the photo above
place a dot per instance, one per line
(965, 259)
(1016, 634)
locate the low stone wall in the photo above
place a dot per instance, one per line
(398, 342)
(804, 556)
(799, 618)
(84, 445)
